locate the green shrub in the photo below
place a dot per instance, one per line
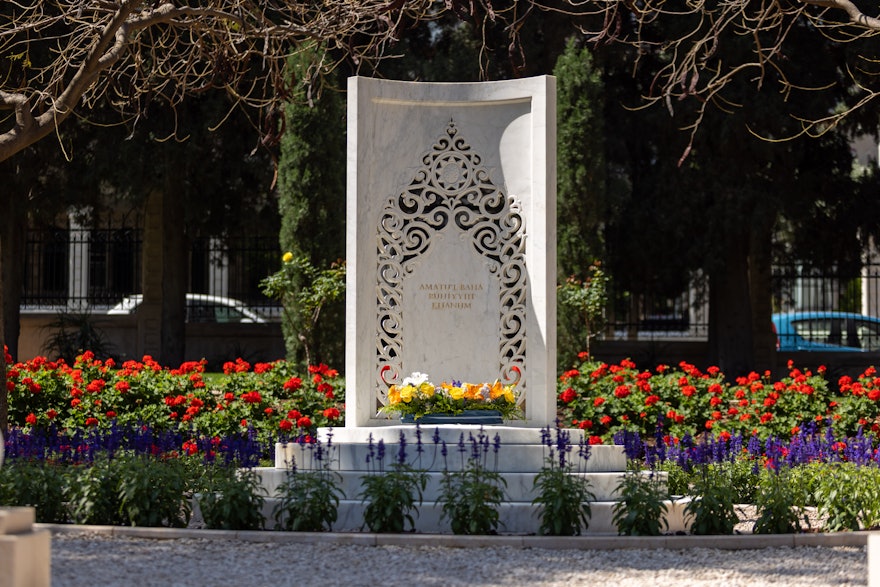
(778, 502)
(565, 499)
(678, 480)
(471, 496)
(93, 493)
(641, 509)
(231, 498)
(391, 496)
(471, 499)
(35, 484)
(711, 508)
(849, 496)
(154, 492)
(308, 501)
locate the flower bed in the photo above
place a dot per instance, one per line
(272, 401)
(268, 400)
(607, 399)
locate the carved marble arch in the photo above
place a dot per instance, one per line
(450, 186)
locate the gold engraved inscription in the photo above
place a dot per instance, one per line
(451, 296)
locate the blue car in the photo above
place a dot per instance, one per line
(826, 331)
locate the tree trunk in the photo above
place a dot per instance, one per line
(11, 266)
(161, 315)
(175, 282)
(731, 344)
(760, 286)
(4, 394)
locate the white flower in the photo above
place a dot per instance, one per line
(416, 379)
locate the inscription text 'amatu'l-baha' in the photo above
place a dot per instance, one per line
(452, 296)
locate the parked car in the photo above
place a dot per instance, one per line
(826, 331)
(201, 308)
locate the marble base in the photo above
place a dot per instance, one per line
(521, 454)
(25, 554)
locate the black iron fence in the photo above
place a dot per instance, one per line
(794, 287)
(96, 269)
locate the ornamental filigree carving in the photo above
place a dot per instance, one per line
(451, 188)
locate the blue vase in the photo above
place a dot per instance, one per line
(477, 417)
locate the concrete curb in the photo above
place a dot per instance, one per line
(593, 542)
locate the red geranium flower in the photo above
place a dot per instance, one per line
(252, 397)
(326, 389)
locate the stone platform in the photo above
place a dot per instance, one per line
(521, 453)
(25, 553)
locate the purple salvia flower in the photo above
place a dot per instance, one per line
(419, 448)
(475, 447)
(380, 453)
(545, 436)
(401, 451)
(371, 448)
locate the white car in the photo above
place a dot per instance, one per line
(201, 308)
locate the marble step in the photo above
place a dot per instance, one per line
(449, 433)
(515, 518)
(510, 457)
(519, 488)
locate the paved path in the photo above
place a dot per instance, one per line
(101, 556)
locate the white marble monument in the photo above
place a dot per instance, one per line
(451, 269)
(451, 239)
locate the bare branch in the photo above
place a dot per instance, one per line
(60, 55)
(856, 16)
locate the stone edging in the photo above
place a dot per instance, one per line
(593, 542)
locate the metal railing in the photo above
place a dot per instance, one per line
(95, 269)
(794, 287)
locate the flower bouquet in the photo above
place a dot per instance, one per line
(416, 398)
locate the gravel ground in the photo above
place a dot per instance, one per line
(92, 560)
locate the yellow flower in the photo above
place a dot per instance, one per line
(394, 395)
(496, 390)
(407, 393)
(287, 257)
(456, 393)
(508, 394)
(426, 389)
